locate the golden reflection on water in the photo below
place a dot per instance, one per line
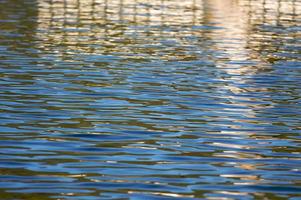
(82, 21)
(88, 26)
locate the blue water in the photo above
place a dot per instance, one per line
(140, 99)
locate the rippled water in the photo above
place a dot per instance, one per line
(150, 99)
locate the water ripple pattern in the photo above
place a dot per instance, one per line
(150, 99)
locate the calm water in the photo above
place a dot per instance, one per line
(150, 99)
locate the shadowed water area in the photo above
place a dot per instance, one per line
(150, 99)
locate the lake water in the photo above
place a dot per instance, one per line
(150, 99)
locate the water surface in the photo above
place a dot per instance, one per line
(150, 99)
